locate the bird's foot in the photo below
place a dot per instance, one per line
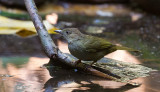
(77, 62)
(93, 63)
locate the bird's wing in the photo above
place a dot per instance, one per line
(95, 44)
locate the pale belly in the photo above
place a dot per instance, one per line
(80, 53)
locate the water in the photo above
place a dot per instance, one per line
(31, 76)
(22, 60)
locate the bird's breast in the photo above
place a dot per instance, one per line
(76, 50)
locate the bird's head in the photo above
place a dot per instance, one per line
(70, 33)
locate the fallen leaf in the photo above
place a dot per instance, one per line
(21, 28)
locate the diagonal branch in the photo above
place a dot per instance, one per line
(47, 43)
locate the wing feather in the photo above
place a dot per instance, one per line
(95, 44)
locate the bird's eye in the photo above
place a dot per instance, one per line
(67, 32)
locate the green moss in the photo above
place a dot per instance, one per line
(134, 41)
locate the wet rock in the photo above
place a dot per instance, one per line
(125, 70)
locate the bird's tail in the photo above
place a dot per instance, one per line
(126, 48)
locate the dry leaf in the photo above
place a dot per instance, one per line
(21, 28)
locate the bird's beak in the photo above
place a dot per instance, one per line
(58, 31)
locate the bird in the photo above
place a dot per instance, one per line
(88, 48)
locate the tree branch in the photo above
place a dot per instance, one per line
(47, 43)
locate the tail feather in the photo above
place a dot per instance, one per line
(126, 48)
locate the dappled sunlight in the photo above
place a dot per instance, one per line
(142, 88)
(122, 55)
(108, 84)
(63, 46)
(35, 62)
(94, 85)
(29, 77)
(68, 87)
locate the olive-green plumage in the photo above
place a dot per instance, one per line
(86, 47)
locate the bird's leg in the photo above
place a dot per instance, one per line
(77, 62)
(93, 63)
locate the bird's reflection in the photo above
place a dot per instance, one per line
(69, 80)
